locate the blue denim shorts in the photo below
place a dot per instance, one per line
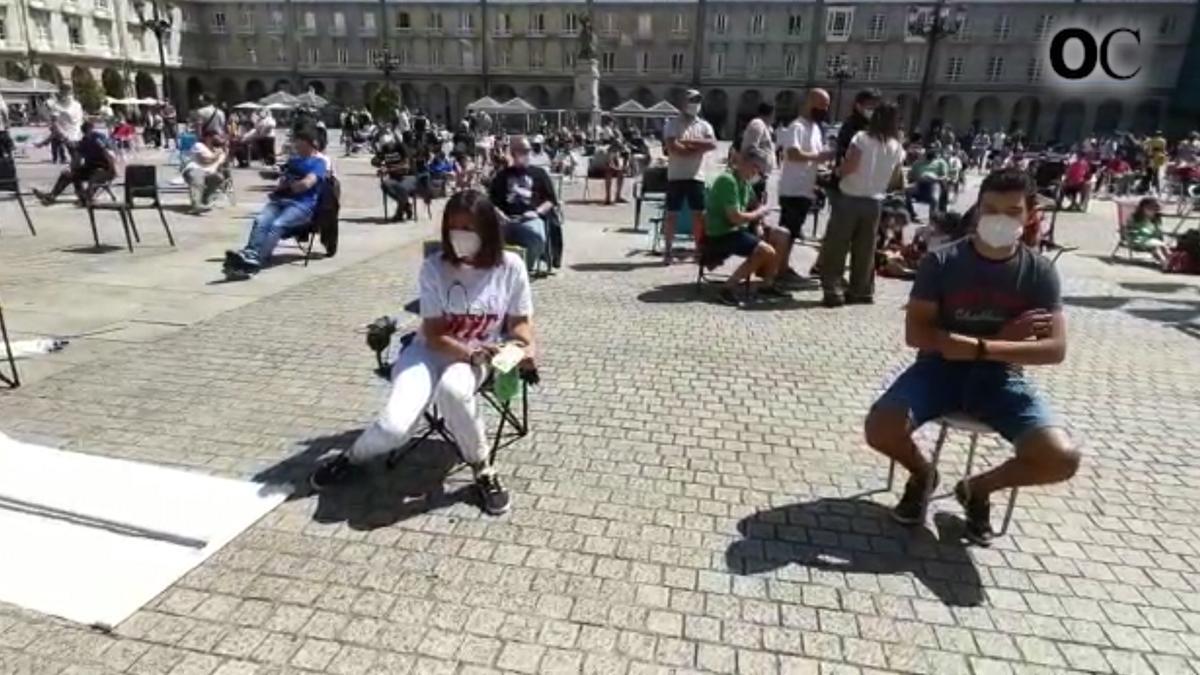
(996, 394)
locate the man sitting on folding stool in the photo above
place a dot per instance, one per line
(978, 311)
(471, 294)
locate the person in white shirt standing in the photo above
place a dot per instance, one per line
(802, 150)
(872, 164)
(66, 122)
(686, 140)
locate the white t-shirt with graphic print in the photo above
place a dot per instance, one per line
(474, 300)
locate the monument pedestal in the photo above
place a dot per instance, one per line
(587, 91)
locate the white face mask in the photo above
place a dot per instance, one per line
(465, 243)
(999, 231)
(692, 109)
(867, 112)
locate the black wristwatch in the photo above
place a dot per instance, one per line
(980, 349)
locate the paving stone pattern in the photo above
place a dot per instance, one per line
(691, 498)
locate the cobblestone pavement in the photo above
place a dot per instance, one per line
(691, 498)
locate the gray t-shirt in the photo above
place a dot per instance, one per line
(687, 167)
(976, 296)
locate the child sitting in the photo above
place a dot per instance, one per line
(1143, 230)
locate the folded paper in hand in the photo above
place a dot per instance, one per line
(509, 356)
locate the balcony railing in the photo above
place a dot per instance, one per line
(367, 31)
(337, 31)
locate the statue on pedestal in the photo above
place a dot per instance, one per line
(587, 74)
(587, 40)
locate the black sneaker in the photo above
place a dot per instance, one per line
(910, 510)
(331, 471)
(730, 297)
(43, 197)
(496, 500)
(979, 515)
(775, 292)
(832, 300)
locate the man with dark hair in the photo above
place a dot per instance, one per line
(95, 165)
(865, 102)
(288, 211)
(979, 311)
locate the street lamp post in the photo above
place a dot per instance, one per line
(387, 63)
(933, 24)
(161, 27)
(841, 73)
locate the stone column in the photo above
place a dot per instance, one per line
(587, 90)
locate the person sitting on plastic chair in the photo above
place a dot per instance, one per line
(95, 165)
(206, 171)
(978, 310)
(474, 298)
(524, 197)
(289, 210)
(731, 227)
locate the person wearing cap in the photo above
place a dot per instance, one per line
(686, 139)
(728, 223)
(865, 103)
(288, 211)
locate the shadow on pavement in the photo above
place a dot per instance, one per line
(376, 496)
(859, 537)
(616, 266)
(1182, 315)
(707, 294)
(92, 249)
(1163, 287)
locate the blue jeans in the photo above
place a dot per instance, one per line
(279, 219)
(530, 235)
(998, 395)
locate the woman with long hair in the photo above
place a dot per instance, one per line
(872, 163)
(474, 299)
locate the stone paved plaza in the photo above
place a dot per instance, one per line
(695, 496)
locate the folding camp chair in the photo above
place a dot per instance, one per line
(10, 183)
(513, 422)
(13, 378)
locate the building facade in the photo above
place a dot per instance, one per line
(103, 41)
(446, 53)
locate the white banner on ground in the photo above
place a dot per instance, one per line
(92, 539)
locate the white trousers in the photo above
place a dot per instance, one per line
(420, 378)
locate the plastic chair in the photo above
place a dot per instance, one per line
(10, 183)
(651, 188)
(975, 428)
(141, 182)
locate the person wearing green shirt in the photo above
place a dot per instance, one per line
(928, 179)
(730, 228)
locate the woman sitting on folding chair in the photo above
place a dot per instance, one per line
(474, 297)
